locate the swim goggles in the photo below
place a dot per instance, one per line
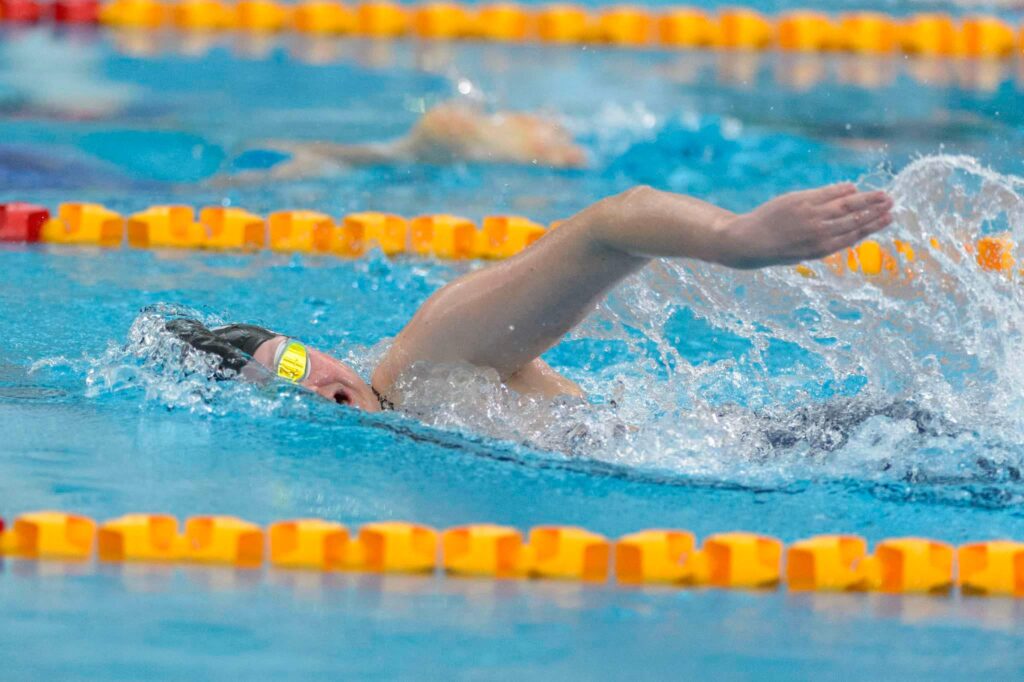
(291, 361)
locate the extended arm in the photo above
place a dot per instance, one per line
(505, 316)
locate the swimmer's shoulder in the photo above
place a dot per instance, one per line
(538, 378)
(535, 378)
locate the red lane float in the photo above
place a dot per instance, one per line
(21, 11)
(21, 222)
(76, 11)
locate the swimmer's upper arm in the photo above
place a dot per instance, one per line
(537, 378)
(506, 315)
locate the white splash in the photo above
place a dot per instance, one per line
(910, 380)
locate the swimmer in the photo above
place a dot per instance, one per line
(505, 316)
(448, 133)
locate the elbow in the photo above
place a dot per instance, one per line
(610, 223)
(625, 208)
(634, 196)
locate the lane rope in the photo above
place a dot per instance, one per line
(440, 236)
(735, 560)
(634, 26)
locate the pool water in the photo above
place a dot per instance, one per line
(704, 366)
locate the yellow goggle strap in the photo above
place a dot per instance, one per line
(291, 361)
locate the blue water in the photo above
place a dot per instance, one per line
(701, 362)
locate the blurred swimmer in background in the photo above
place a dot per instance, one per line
(453, 132)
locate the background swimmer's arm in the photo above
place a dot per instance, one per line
(368, 154)
(312, 159)
(505, 316)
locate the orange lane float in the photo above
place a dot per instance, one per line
(361, 232)
(502, 22)
(505, 236)
(932, 35)
(444, 236)
(223, 540)
(232, 228)
(484, 550)
(995, 254)
(308, 543)
(323, 17)
(51, 535)
(743, 560)
(441, 20)
(567, 552)
(562, 24)
(165, 226)
(827, 562)
(396, 546)
(805, 32)
(994, 567)
(911, 565)
(867, 33)
(202, 15)
(988, 37)
(744, 29)
(656, 556)
(302, 231)
(686, 27)
(625, 25)
(261, 16)
(140, 537)
(868, 258)
(134, 13)
(381, 19)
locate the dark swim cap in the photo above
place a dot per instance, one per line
(234, 344)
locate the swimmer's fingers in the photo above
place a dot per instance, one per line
(824, 195)
(849, 204)
(852, 221)
(851, 237)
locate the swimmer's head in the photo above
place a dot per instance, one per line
(319, 372)
(548, 141)
(242, 346)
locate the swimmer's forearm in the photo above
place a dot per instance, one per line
(647, 223)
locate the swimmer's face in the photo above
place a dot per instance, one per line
(328, 377)
(556, 147)
(541, 139)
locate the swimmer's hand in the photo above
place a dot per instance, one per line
(801, 226)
